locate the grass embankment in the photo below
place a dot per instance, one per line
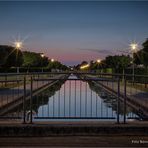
(138, 86)
(16, 81)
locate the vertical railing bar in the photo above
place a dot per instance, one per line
(85, 99)
(96, 105)
(24, 101)
(75, 98)
(42, 104)
(118, 97)
(53, 105)
(38, 100)
(64, 100)
(2, 93)
(101, 107)
(59, 101)
(48, 108)
(124, 99)
(31, 89)
(107, 111)
(17, 87)
(91, 102)
(69, 97)
(80, 97)
(5, 80)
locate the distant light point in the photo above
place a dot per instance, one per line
(98, 61)
(42, 55)
(84, 66)
(52, 60)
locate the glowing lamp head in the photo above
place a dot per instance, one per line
(98, 61)
(52, 60)
(18, 45)
(42, 55)
(134, 47)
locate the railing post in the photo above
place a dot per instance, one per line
(118, 103)
(24, 101)
(31, 89)
(5, 80)
(124, 99)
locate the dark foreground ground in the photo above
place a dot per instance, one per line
(76, 141)
(73, 134)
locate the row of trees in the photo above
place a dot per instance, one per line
(12, 57)
(117, 62)
(32, 59)
(120, 62)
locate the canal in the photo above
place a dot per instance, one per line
(75, 100)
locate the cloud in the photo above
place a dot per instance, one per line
(101, 51)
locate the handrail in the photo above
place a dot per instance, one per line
(71, 72)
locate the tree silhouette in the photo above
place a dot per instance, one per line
(10, 56)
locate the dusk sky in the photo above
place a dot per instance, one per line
(74, 31)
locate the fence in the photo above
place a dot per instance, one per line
(78, 98)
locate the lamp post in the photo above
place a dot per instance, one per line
(99, 61)
(134, 47)
(18, 46)
(53, 69)
(42, 55)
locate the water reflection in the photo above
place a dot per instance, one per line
(38, 100)
(111, 101)
(75, 99)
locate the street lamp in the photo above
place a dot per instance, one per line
(18, 46)
(134, 47)
(98, 61)
(42, 55)
(52, 60)
(98, 66)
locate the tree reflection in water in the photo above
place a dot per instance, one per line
(109, 99)
(38, 100)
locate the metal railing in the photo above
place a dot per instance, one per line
(18, 90)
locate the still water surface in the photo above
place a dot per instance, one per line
(77, 100)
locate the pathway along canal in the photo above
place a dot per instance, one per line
(75, 100)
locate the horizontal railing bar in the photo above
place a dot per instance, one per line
(9, 117)
(2, 81)
(134, 118)
(74, 118)
(87, 79)
(70, 72)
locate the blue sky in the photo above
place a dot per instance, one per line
(74, 31)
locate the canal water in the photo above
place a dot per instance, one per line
(76, 100)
